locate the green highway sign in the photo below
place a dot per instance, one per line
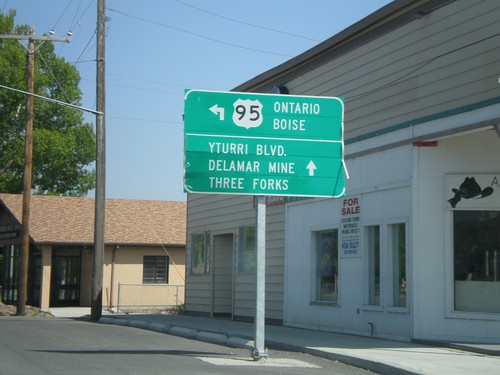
(263, 144)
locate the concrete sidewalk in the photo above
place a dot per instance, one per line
(377, 355)
(72, 312)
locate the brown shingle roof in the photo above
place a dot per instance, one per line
(67, 220)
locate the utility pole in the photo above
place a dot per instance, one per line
(97, 270)
(22, 281)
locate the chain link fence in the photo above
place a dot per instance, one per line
(149, 297)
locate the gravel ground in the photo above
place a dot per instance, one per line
(9, 310)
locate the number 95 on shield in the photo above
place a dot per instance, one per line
(247, 113)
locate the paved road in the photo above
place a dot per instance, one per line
(76, 347)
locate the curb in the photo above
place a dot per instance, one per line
(183, 332)
(237, 341)
(159, 327)
(216, 338)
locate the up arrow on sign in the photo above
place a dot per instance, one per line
(311, 167)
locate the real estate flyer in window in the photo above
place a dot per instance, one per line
(350, 221)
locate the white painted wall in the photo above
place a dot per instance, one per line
(382, 180)
(467, 154)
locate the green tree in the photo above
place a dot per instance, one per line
(63, 144)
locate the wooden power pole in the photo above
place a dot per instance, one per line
(22, 281)
(97, 270)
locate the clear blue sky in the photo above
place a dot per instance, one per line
(157, 48)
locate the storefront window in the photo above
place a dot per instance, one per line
(373, 246)
(397, 233)
(199, 253)
(327, 265)
(10, 257)
(247, 250)
(477, 260)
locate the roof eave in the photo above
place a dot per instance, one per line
(387, 18)
(107, 244)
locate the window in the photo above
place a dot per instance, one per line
(199, 253)
(9, 279)
(155, 270)
(373, 246)
(247, 250)
(397, 241)
(327, 287)
(476, 253)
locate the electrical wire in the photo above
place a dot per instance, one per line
(62, 14)
(195, 34)
(77, 20)
(85, 48)
(138, 88)
(150, 81)
(73, 23)
(53, 76)
(246, 23)
(144, 120)
(423, 65)
(12, 68)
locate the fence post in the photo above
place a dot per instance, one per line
(118, 301)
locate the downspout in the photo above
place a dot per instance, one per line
(113, 255)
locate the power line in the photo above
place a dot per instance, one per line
(62, 14)
(51, 100)
(245, 23)
(74, 17)
(144, 120)
(85, 48)
(195, 34)
(150, 81)
(132, 78)
(53, 75)
(421, 66)
(77, 21)
(138, 88)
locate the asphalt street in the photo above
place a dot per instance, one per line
(76, 347)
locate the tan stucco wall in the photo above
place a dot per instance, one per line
(45, 277)
(128, 270)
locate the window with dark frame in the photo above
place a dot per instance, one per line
(155, 269)
(397, 240)
(327, 269)
(372, 233)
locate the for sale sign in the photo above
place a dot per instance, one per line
(350, 226)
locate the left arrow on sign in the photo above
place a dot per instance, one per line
(217, 111)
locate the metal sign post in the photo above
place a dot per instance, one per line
(259, 350)
(263, 145)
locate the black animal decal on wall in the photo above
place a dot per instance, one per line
(469, 189)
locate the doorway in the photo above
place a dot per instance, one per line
(65, 278)
(223, 275)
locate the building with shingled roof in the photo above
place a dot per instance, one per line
(144, 250)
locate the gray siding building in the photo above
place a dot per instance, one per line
(420, 82)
